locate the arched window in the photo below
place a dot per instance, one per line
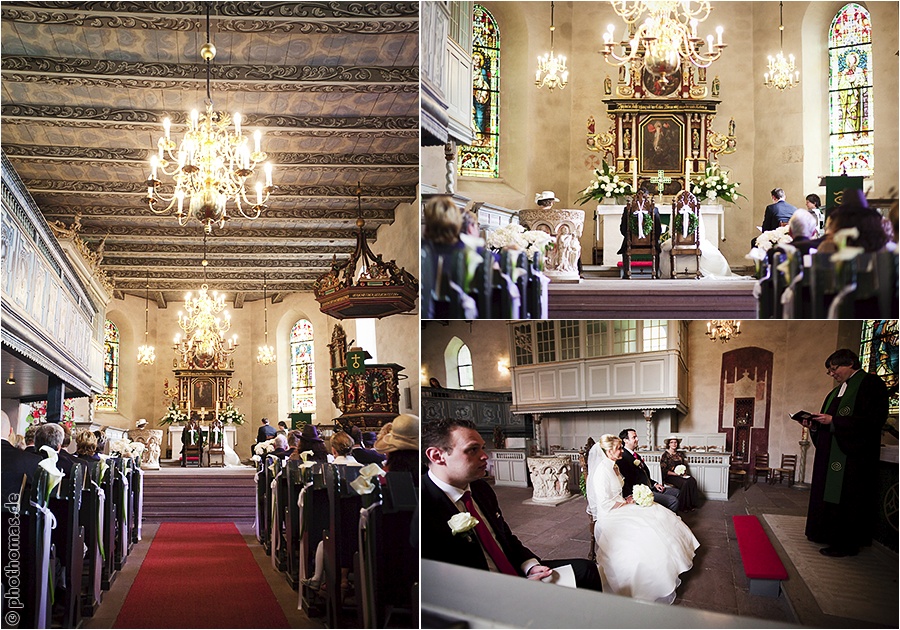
(481, 158)
(109, 399)
(851, 128)
(878, 354)
(464, 368)
(303, 374)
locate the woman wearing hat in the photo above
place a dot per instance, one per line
(310, 440)
(399, 440)
(689, 493)
(546, 199)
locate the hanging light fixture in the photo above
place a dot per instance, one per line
(781, 74)
(723, 329)
(551, 70)
(146, 354)
(12, 377)
(203, 345)
(211, 165)
(266, 354)
(365, 285)
(665, 38)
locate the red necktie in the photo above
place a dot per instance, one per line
(487, 541)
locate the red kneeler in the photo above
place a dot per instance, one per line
(761, 562)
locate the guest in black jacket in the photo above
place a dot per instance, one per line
(778, 212)
(362, 454)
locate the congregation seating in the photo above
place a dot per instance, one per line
(816, 286)
(73, 541)
(462, 283)
(370, 576)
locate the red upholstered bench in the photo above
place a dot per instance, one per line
(761, 562)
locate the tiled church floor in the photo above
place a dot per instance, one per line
(717, 581)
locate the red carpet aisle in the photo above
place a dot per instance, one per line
(200, 575)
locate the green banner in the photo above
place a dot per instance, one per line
(835, 185)
(356, 362)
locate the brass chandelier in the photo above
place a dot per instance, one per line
(266, 353)
(781, 74)
(665, 38)
(146, 353)
(551, 70)
(211, 166)
(723, 330)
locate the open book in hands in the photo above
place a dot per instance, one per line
(802, 416)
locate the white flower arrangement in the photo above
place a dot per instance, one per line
(173, 415)
(515, 236)
(768, 240)
(49, 465)
(606, 185)
(231, 414)
(462, 524)
(363, 483)
(643, 496)
(263, 448)
(715, 185)
(121, 447)
(846, 252)
(680, 469)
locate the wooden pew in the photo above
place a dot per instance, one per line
(295, 482)
(70, 553)
(388, 561)
(506, 298)
(268, 475)
(314, 518)
(122, 511)
(137, 500)
(91, 518)
(110, 485)
(537, 295)
(278, 508)
(262, 514)
(341, 543)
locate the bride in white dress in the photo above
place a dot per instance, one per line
(641, 551)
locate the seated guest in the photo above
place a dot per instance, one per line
(362, 454)
(282, 427)
(29, 438)
(86, 446)
(281, 446)
(102, 442)
(310, 440)
(443, 223)
(52, 434)
(814, 205)
(854, 211)
(266, 432)
(293, 440)
(455, 485)
(341, 445)
(689, 493)
(399, 440)
(802, 228)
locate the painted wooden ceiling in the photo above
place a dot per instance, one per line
(333, 86)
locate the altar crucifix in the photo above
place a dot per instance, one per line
(660, 180)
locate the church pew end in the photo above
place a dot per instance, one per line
(762, 565)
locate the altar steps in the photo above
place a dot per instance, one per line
(199, 495)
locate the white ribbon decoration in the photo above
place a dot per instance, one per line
(101, 501)
(140, 514)
(125, 532)
(639, 213)
(274, 541)
(49, 526)
(685, 219)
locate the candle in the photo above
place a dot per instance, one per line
(257, 137)
(167, 125)
(195, 117)
(237, 123)
(694, 29)
(259, 188)
(719, 30)
(268, 169)
(154, 161)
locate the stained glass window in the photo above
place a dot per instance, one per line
(303, 375)
(109, 399)
(464, 368)
(878, 354)
(481, 158)
(850, 92)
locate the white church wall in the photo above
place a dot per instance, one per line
(487, 341)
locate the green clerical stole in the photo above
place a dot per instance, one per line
(837, 459)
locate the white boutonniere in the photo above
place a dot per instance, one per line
(643, 496)
(637, 462)
(463, 524)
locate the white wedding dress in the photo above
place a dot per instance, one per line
(641, 551)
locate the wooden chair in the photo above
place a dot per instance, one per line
(216, 448)
(685, 230)
(583, 458)
(192, 450)
(636, 245)
(739, 474)
(786, 470)
(761, 467)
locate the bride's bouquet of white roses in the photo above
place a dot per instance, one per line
(643, 496)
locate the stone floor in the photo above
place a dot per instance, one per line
(717, 581)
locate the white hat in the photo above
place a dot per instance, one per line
(547, 194)
(140, 423)
(400, 435)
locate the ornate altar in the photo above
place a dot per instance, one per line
(661, 131)
(202, 393)
(367, 395)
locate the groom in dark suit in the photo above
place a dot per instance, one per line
(453, 488)
(635, 471)
(778, 213)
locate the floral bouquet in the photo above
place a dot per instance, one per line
(606, 185)
(173, 415)
(231, 414)
(643, 496)
(126, 448)
(515, 236)
(715, 185)
(766, 241)
(680, 469)
(263, 448)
